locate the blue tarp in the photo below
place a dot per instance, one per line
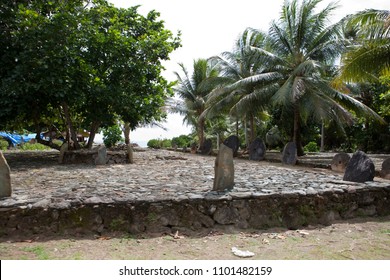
(17, 139)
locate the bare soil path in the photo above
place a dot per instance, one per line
(367, 239)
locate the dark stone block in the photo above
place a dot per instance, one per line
(360, 168)
(290, 154)
(257, 150)
(207, 147)
(233, 143)
(224, 169)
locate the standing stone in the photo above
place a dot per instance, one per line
(224, 169)
(63, 149)
(101, 158)
(5, 177)
(257, 150)
(385, 172)
(360, 168)
(233, 143)
(289, 155)
(339, 162)
(207, 147)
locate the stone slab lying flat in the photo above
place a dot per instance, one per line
(165, 190)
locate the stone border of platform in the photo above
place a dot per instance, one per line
(258, 212)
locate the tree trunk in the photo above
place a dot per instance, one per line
(322, 149)
(92, 133)
(252, 128)
(126, 132)
(201, 133)
(297, 131)
(237, 127)
(69, 123)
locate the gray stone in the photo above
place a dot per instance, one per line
(226, 215)
(360, 168)
(101, 158)
(207, 147)
(385, 172)
(63, 149)
(339, 162)
(5, 177)
(290, 156)
(224, 169)
(257, 150)
(233, 142)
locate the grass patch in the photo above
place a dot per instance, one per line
(39, 251)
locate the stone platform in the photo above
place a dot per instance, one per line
(166, 191)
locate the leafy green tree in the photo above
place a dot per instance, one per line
(193, 90)
(81, 66)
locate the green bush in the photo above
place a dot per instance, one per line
(182, 141)
(3, 145)
(159, 143)
(34, 147)
(112, 135)
(312, 147)
(154, 143)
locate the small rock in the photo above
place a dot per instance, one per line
(242, 254)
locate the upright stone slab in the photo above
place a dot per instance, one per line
(339, 162)
(385, 172)
(101, 158)
(224, 169)
(289, 155)
(233, 142)
(257, 149)
(207, 147)
(360, 168)
(5, 177)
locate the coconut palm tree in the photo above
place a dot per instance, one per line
(248, 81)
(193, 90)
(369, 54)
(305, 48)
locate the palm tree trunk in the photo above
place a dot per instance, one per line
(297, 131)
(252, 128)
(201, 133)
(322, 149)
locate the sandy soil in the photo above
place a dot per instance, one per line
(354, 239)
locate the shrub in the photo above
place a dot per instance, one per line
(34, 147)
(182, 141)
(312, 147)
(3, 144)
(112, 135)
(159, 143)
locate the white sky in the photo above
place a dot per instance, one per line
(210, 27)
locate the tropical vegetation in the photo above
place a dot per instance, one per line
(76, 66)
(288, 79)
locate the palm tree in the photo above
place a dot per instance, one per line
(193, 90)
(369, 54)
(248, 79)
(305, 48)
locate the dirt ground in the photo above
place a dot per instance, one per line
(363, 238)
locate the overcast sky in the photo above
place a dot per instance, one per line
(210, 27)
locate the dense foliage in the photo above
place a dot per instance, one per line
(80, 65)
(287, 79)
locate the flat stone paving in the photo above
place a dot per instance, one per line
(158, 175)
